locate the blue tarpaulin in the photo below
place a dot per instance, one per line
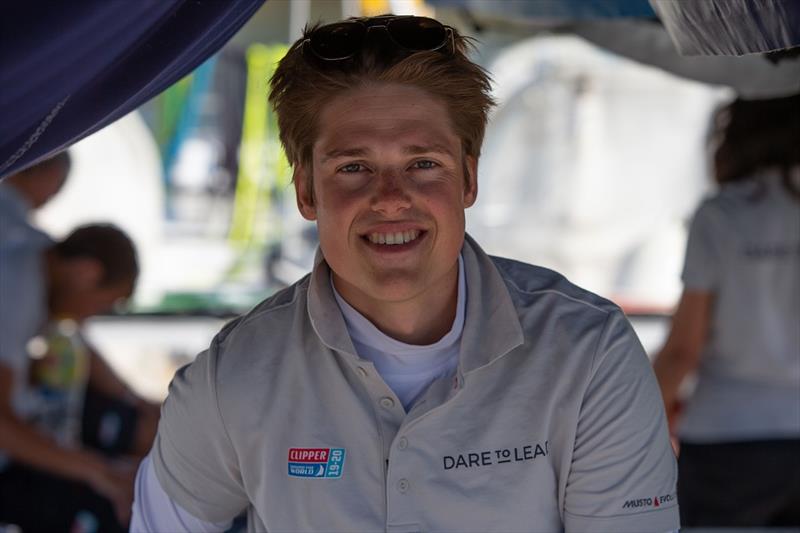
(67, 69)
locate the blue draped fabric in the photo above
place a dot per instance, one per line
(67, 69)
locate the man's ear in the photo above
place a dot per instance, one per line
(84, 272)
(470, 180)
(304, 192)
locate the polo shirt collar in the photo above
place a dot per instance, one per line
(491, 326)
(326, 317)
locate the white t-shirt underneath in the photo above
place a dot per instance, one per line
(407, 369)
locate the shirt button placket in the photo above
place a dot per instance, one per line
(402, 485)
(386, 402)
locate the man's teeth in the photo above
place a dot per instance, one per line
(400, 237)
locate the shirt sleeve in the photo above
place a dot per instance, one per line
(703, 260)
(154, 511)
(192, 455)
(623, 473)
(20, 306)
(8, 326)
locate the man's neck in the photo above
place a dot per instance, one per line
(421, 320)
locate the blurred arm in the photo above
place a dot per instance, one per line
(24, 443)
(103, 379)
(684, 346)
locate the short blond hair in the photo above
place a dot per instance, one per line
(301, 87)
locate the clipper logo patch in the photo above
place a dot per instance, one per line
(316, 462)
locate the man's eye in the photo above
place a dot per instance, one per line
(424, 164)
(352, 167)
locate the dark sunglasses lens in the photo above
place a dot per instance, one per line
(337, 41)
(417, 33)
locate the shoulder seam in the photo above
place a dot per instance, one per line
(216, 347)
(300, 287)
(560, 293)
(600, 338)
(511, 283)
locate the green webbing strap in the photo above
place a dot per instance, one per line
(263, 170)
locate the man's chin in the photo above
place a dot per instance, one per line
(388, 287)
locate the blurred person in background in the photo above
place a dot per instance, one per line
(737, 326)
(114, 419)
(410, 382)
(21, 243)
(30, 189)
(50, 481)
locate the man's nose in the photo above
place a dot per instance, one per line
(391, 195)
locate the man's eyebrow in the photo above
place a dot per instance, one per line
(412, 149)
(344, 152)
(416, 149)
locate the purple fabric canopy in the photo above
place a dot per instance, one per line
(67, 69)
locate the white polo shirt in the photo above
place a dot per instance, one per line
(553, 420)
(744, 248)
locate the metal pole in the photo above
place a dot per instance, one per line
(299, 12)
(351, 8)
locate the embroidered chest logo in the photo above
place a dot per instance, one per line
(316, 462)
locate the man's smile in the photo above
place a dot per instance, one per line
(394, 241)
(399, 237)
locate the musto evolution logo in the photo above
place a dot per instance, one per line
(316, 462)
(657, 501)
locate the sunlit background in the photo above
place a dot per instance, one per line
(592, 164)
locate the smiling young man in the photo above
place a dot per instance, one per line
(410, 382)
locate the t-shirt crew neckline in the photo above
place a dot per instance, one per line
(401, 363)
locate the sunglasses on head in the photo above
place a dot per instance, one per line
(342, 40)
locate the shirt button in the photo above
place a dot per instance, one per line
(387, 402)
(402, 485)
(363, 372)
(402, 444)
